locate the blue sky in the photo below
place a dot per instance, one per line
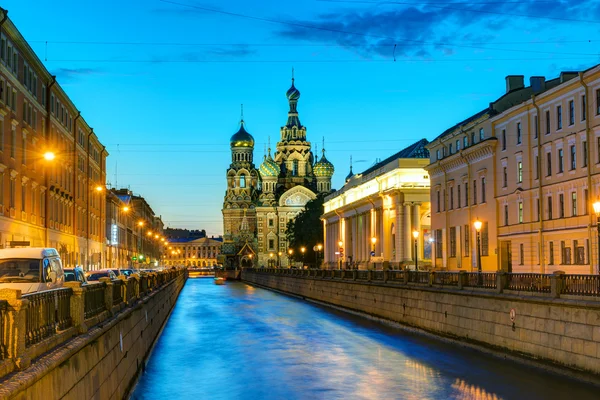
(161, 82)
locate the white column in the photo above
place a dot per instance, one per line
(399, 228)
(416, 226)
(407, 242)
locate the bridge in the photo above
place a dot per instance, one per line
(82, 342)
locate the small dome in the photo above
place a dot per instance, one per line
(323, 168)
(269, 168)
(242, 138)
(293, 93)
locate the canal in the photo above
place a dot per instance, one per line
(241, 342)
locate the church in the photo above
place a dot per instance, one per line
(259, 203)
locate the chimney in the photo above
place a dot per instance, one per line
(538, 84)
(514, 82)
(567, 75)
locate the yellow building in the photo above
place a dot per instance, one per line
(201, 252)
(57, 203)
(370, 221)
(529, 176)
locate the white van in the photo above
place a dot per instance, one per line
(31, 269)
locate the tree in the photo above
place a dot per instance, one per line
(306, 230)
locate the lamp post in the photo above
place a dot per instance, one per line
(290, 252)
(341, 251)
(279, 253)
(48, 156)
(270, 260)
(302, 250)
(596, 206)
(373, 241)
(477, 224)
(319, 249)
(251, 262)
(416, 236)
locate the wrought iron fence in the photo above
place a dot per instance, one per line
(362, 275)
(347, 274)
(132, 286)
(445, 278)
(418, 277)
(377, 276)
(538, 283)
(117, 291)
(46, 313)
(481, 279)
(94, 299)
(395, 276)
(581, 285)
(338, 273)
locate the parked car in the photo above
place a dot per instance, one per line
(75, 275)
(94, 276)
(31, 269)
(128, 272)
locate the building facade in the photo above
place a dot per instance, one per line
(56, 203)
(531, 178)
(200, 252)
(369, 222)
(259, 203)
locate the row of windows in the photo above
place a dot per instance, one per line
(453, 238)
(460, 201)
(447, 151)
(9, 55)
(550, 214)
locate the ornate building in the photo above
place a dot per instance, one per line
(259, 204)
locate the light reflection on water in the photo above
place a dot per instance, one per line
(240, 342)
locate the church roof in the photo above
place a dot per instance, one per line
(269, 168)
(242, 138)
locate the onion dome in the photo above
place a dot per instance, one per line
(242, 138)
(293, 93)
(323, 168)
(269, 168)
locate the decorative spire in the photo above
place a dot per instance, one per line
(316, 152)
(324, 147)
(242, 115)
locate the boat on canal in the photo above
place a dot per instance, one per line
(219, 281)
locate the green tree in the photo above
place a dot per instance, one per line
(306, 230)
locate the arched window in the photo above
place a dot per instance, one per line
(242, 181)
(295, 168)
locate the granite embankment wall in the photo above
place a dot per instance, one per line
(103, 362)
(564, 332)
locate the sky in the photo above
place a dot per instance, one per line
(161, 82)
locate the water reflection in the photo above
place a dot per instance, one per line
(240, 342)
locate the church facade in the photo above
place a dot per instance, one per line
(259, 203)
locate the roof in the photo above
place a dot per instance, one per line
(415, 150)
(28, 252)
(464, 122)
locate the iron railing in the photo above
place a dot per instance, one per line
(363, 275)
(94, 299)
(47, 313)
(418, 277)
(446, 278)
(377, 275)
(538, 283)
(486, 280)
(117, 291)
(581, 285)
(131, 289)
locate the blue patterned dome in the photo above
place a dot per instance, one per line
(242, 138)
(293, 93)
(269, 168)
(323, 168)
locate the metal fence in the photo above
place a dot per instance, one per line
(538, 283)
(94, 302)
(445, 278)
(581, 285)
(117, 291)
(486, 280)
(418, 277)
(46, 313)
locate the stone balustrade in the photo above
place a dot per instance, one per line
(35, 323)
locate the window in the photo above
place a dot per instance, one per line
(13, 141)
(295, 168)
(574, 204)
(474, 192)
(597, 101)
(584, 153)
(519, 171)
(586, 199)
(444, 200)
(458, 145)
(551, 250)
(558, 117)
(537, 168)
(549, 207)
(472, 138)
(561, 205)
(518, 133)
(484, 240)
(549, 164)
(573, 157)
(451, 198)
(271, 244)
(565, 253)
(504, 177)
(583, 108)
(12, 193)
(23, 196)
(242, 181)
(438, 201)
(452, 240)
(450, 148)
(537, 209)
(503, 139)
(465, 142)
(467, 233)
(535, 126)
(560, 161)
(437, 154)
(271, 222)
(458, 196)
(520, 212)
(466, 194)
(521, 254)
(571, 112)
(483, 190)
(481, 134)
(438, 243)
(547, 122)
(506, 215)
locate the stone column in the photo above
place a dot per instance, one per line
(15, 329)
(407, 237)
(398, 227)
(416, 226)
(108, 295)
(77, 306)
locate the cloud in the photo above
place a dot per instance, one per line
(424, 30)
(72, 74)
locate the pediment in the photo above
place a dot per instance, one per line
(297, 196)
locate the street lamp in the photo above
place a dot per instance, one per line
(251, 262)
(416, 236)
(319, 249)
(477, 224)
(290, 252)
(596, 206)
(373, 241)
(302, 250)
(341, 251)
(49, 156)
(279, 253)
(270, 259)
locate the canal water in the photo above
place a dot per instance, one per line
(241, 342)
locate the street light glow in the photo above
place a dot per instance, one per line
(49, 156)
(99, 188)
(477, 224)
(340, 243)
(373, 240)
(596, 206)
(125, 209)
(141, 223)
(415, 234)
